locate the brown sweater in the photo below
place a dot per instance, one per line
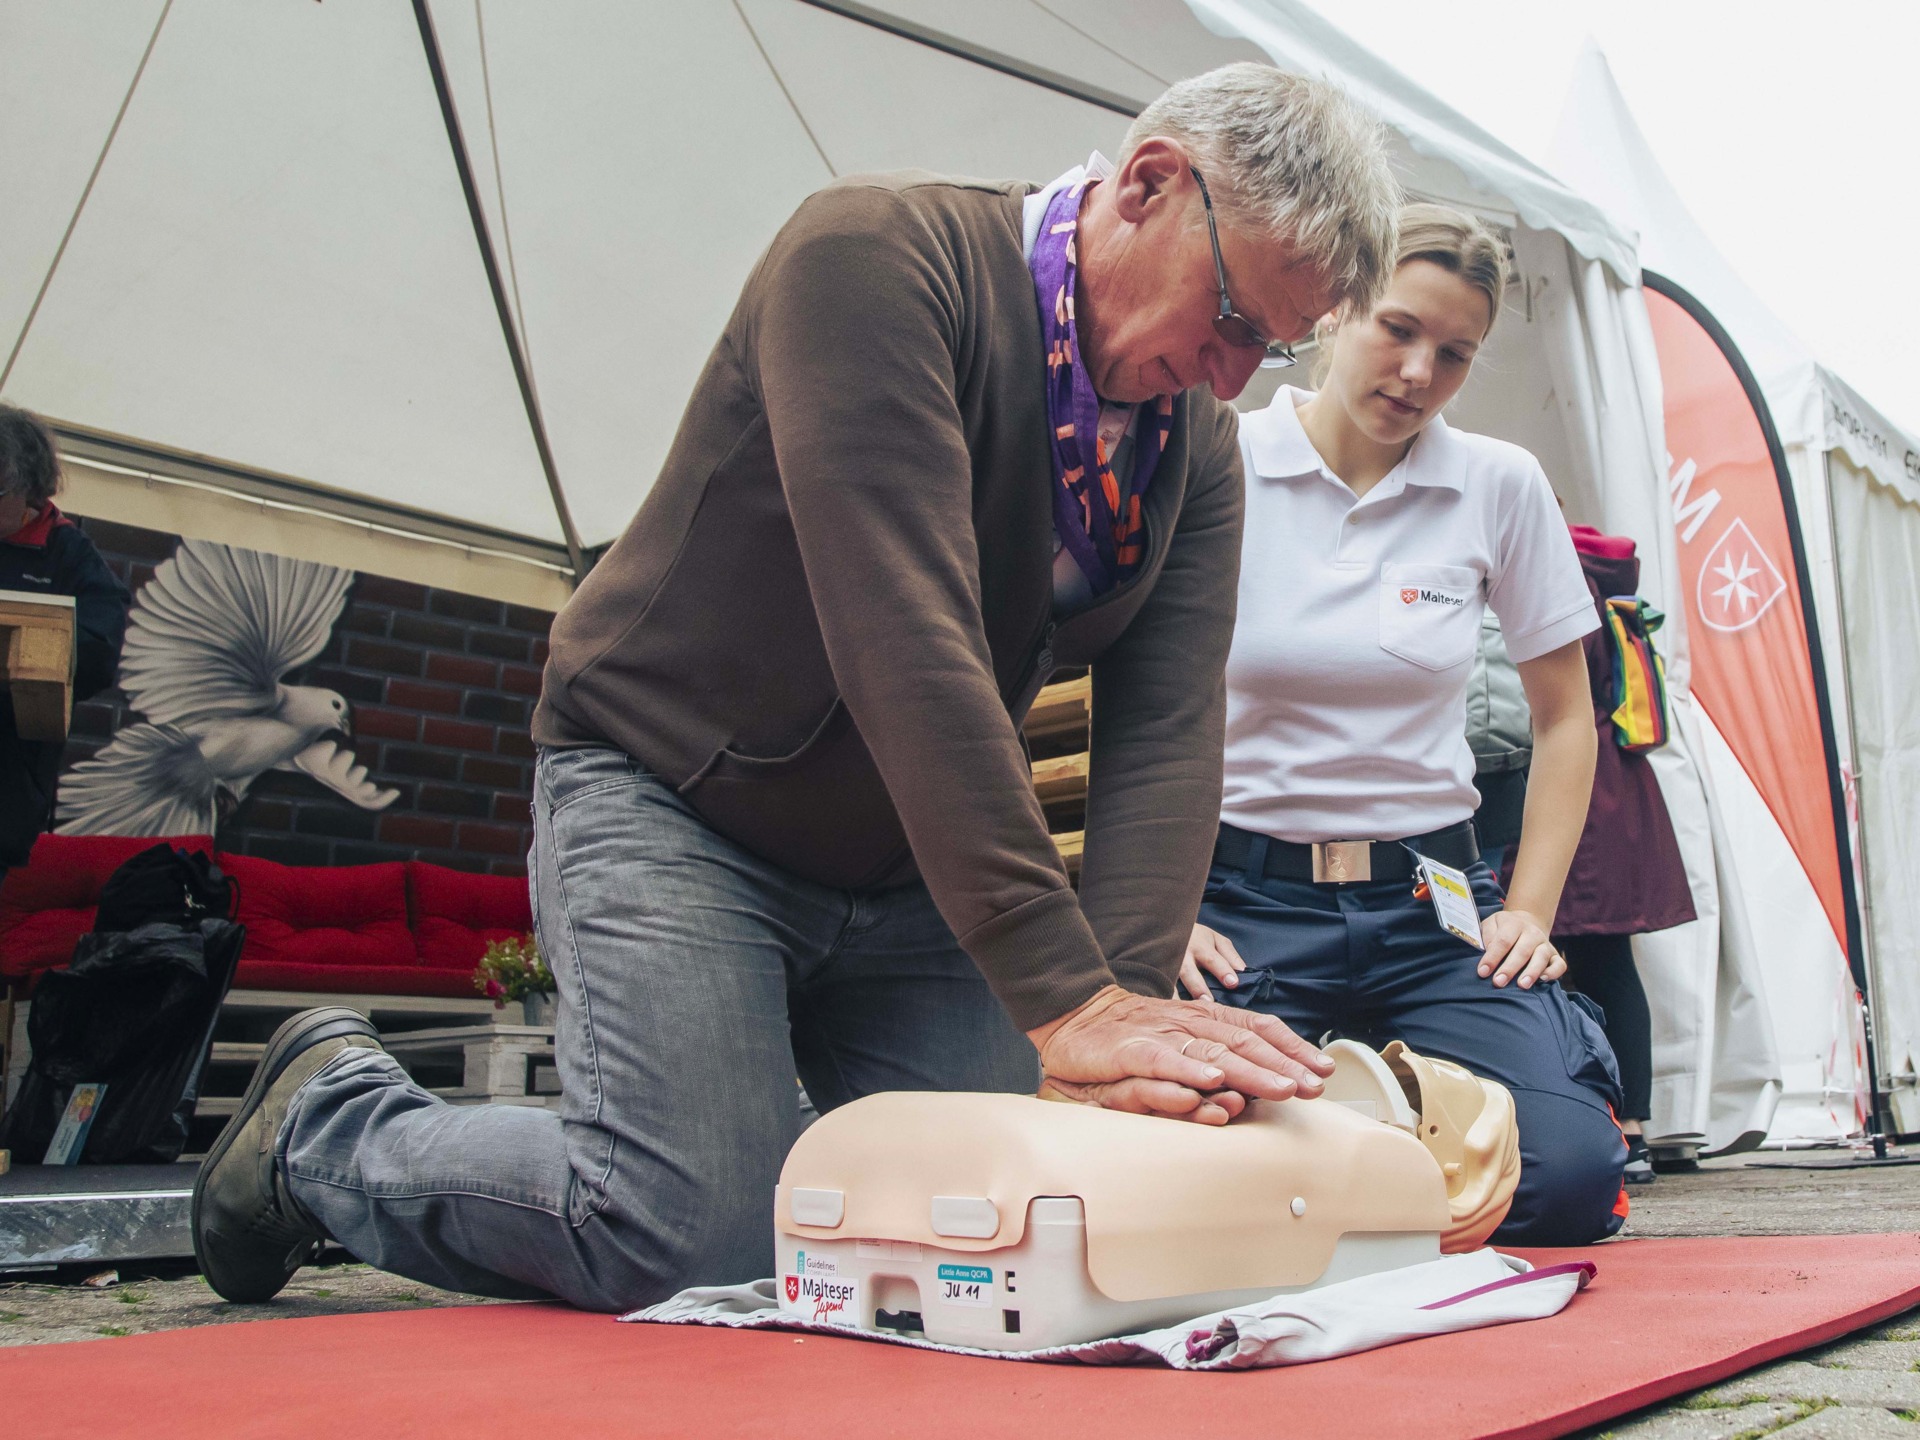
(826, 622)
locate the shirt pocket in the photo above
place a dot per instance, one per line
(1430, 614)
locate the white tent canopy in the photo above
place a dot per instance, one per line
(263, 278)
(1856, 479)
(274, 264)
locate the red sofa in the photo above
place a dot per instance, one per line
(404, 928)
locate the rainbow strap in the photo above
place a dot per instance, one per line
(1639, 676)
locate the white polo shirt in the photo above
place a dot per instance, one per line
(1347, 682)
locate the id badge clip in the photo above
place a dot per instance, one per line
(1452, 896)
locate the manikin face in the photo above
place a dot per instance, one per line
(1148, 292)
(1396, 369)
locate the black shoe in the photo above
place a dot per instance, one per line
(248, 1234)
(1639, 1162)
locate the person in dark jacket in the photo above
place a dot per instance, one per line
(1627, 876)
(42, 552)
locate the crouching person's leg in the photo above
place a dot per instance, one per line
(1572, 1157)
(1554, 1060)
(669, 948)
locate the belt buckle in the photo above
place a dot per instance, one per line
(1342, 862)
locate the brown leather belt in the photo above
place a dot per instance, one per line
(1346, 862)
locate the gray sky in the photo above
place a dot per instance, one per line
(1791, 129)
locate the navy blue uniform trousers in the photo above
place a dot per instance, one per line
(1370, 962)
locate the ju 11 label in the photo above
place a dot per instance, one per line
(965, 1284)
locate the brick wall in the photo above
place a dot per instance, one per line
(442, 687)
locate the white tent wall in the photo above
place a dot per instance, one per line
(687, 176)
(1823, 426)
(1876, 528)
(275, 265)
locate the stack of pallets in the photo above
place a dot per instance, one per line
(1057, 735)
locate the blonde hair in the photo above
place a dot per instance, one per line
(1291, 158)
(1460, 243)
(1457, 242)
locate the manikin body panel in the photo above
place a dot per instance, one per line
(1006, 1222)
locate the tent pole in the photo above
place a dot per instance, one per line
(980, 55)
(521, 371)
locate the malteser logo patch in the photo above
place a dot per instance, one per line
(1412, 595)
(1408, 596)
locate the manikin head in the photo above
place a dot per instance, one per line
(29, 468)
(1390, 368)
(1304, 205)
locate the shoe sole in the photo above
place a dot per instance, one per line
(297, 1034)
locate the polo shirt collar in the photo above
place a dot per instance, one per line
(1280, 448)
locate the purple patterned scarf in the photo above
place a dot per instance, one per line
(1097, 520)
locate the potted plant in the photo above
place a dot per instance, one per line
(512, 969)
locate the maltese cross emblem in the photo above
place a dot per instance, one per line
(1738, 581)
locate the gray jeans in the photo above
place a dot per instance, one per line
(695, 981)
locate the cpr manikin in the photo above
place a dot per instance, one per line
(1005, 1222)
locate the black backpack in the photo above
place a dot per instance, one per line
(165, 885)
(134, 1010)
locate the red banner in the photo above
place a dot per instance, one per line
(1752, 665)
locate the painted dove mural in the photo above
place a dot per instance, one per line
(211, 637)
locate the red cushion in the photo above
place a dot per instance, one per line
(457, 915)
(322, 916)
(352, 979)
(48, 903)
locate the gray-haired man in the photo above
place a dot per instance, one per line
(950, 439)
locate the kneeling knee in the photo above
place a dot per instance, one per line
(1570, 1190)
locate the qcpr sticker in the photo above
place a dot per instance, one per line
(965, 1284)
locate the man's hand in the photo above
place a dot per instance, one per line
(1183, 1059)
(1517, 945)
(1212, 953)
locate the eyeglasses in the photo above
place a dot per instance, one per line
(1230, 325)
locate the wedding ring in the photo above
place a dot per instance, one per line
(1183, 1048)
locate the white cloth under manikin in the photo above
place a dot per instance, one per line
(1455, 1292)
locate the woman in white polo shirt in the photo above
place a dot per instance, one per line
(1375, 534)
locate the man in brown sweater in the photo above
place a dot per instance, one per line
(956, 434)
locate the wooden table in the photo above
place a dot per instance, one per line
(36, 661)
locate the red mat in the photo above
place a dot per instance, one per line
(1664, 1316)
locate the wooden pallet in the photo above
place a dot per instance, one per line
(498, 1064)
(1061, 708)
(249, 1017)
(1062, 716)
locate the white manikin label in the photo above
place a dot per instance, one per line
(815, 1291)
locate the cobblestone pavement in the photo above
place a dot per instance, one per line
(1867, 1385)
(145, 1299)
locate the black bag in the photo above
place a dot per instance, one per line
(167, 884)
(135, 1010)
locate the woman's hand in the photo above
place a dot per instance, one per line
(1212, 952)
(1517, 946)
